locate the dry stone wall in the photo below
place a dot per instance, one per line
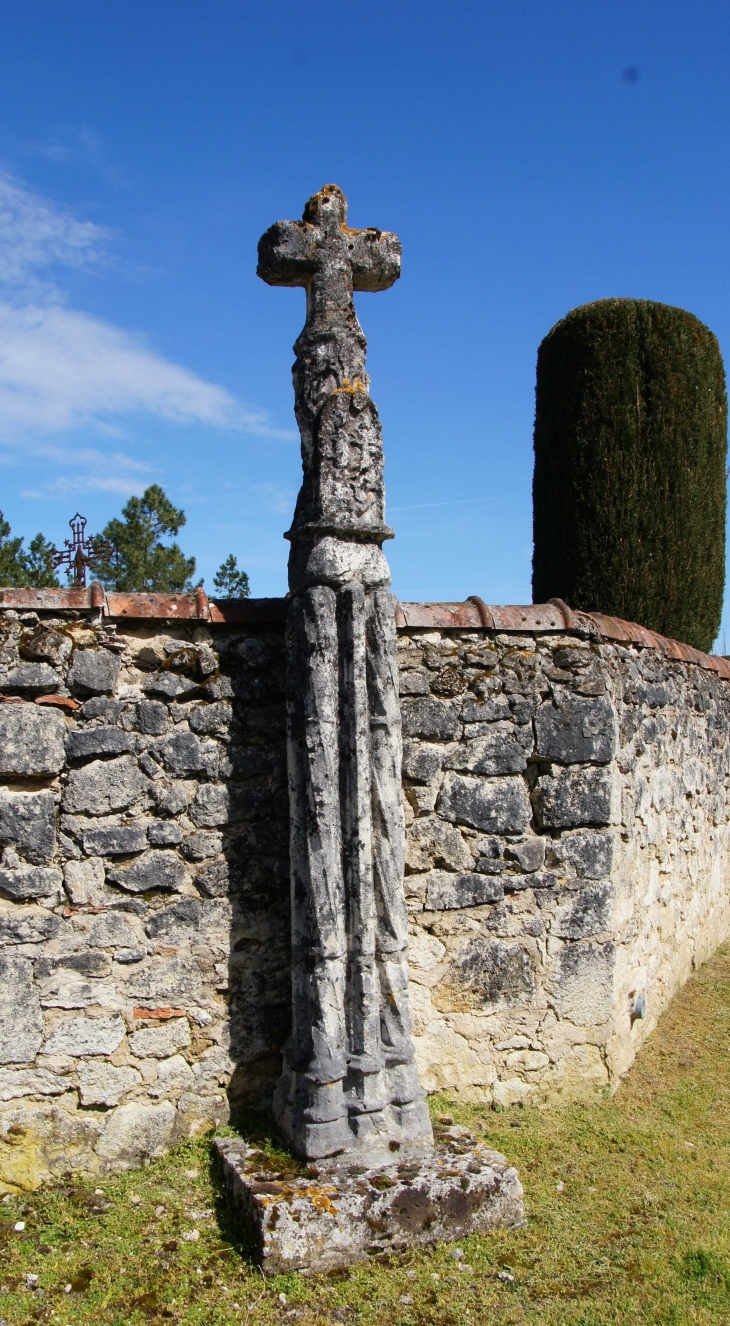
(567, 863)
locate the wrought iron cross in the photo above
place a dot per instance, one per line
(82, 553)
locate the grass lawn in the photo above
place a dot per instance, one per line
(628, 1203)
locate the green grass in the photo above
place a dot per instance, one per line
(628, 1202)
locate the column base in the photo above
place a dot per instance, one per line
(339, 1214)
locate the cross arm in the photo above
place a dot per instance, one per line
(288, 254)
(375, 257)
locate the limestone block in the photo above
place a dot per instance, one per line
(103, 1084)
(112, 931)
(171, 981)
(50, 645)
(212, 806)
(448, 892)
(590, 854)
(576, 730)
(28, 822)
(172, 798)
(173, 1077)
(175, 922)
(200, 846)
(86, 1036)
(154, 869)
(428, 717)
(487, 972)
(182, 753)
(502, 749)
(161, 1042)
(25, 882)
(213, 720)
(152, 717)
(104, 786)
(84, 882)
(136, 1132)
(102, 706)
(573, 797)
(581, 984)
(83, 742)
(164, 833)
(94, 671)
(529, 855)
(214, 879)
(433, 841)
(119, 840)
(170, 685)
(27, 925)
(21, 1020)
(18, 1082)
(35, 677)
(422, 763)
(40, 1142)
(31, 740)
(587, 913)
(495, 805)
(488, 711)
(416, 682)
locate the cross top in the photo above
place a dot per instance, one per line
(330, 260)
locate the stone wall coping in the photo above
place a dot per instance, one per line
(472, 614)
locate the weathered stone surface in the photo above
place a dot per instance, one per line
(200, 846)
(105, 786)
(115, 841)
(18, 1082)
(28, 822)
(136, 1133)
(41, 1142)
(27, 882)
(155, 869)
(48, 644)
(493, 973)
(169, 980)
(102, 706)
(169, 684)
(503, 749)
(430, 718)
(447, 892)
(95, 671)
(422, 763)
(152, 717)
(171, 799)
(164, 833)
(573, 797)
(212, 719)
(575, 730)
(433, 842)
(212, 806)
(161, 1042)
(86, 1036)
(582, 983)
(495, 805)
(183, 915)
(173, 1077)
(112, 931)
(343, 1215)
(21, 1020)
(214, 879)
(27, 925)
(585, 913)
(84, 882)
(529, 855)
(84, 742)
(31, 740)
(182, 753)
(590, 854)
(38, 678)
(103, 1084)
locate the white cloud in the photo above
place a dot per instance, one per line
(61, 369)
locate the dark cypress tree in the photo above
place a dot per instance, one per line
(629, 486)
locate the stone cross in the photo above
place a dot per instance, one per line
(349, 1084)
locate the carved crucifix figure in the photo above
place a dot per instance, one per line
(349, 1082)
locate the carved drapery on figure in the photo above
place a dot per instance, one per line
(349, 1082)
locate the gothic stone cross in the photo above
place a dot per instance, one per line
(349, 1082)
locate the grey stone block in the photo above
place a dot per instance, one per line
(581, 985)
(529, 855)
(537, 879)
(447, 892)
(24, 882)
(417, 682)
(28, 925)
(199, 846)
(155, 869)
(135, 1133)
(489, 711)
(36, 677)
(50, 645)
(115, 841)
(105, 786)
(586, 913)
(574, 730)
(212, 719)
(95, 671)
(173, 1077)
(101, 706)
(86, 1036)
(170, 685)
(170, 980)
(214, 879)
(103, 1084)
(17, 1082)
(28, 822)
(182, 753)
(94, 965)
(212, 806)
(152, 717)
(591, 854)
(503, 749)
(422, 763)
(573, 797)
(184, 915)
(495, 805)
(112, 931)
(493, 973)
(31, 740)
(84, 742)
(430, 718)
(164, 833)
(174, 797)
(21, 1019)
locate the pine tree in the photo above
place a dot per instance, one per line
(19, 568)
(141, 561)
(230, 582)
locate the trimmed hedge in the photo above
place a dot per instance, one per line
(629, 486)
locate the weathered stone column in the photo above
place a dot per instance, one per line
(349, 1083)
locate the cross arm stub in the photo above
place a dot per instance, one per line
(375, 257)
(289, 254)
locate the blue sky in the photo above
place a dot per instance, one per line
(144, 147)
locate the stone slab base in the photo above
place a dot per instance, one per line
(335, 1215)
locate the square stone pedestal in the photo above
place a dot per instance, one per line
(337, 1214)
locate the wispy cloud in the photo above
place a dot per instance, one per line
(62, 369)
